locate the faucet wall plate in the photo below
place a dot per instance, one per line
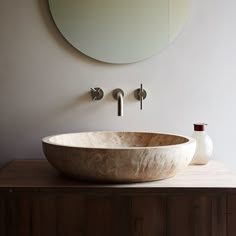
(138, 94)
(116, 91)
(97, 93)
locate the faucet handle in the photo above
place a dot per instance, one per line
(96, 93)
(140, 94)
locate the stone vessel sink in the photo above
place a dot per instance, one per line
(122, 157)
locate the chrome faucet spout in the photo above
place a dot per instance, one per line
(118, 94)
(120, 104)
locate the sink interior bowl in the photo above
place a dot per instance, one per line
(119, 156)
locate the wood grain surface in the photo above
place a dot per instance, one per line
(40, 174)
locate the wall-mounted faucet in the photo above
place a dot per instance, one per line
(118, 94)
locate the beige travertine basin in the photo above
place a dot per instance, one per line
(119, 156)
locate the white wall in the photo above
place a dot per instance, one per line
(44, 82)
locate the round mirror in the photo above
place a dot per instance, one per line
(119, 31)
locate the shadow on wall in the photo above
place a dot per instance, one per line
(53, 30)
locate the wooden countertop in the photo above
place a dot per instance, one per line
(39, 174)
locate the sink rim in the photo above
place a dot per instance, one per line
(190, 140)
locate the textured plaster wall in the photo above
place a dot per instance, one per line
(44, 82)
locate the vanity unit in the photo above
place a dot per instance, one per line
(37, 200)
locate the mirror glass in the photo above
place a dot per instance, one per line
(119, 31)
